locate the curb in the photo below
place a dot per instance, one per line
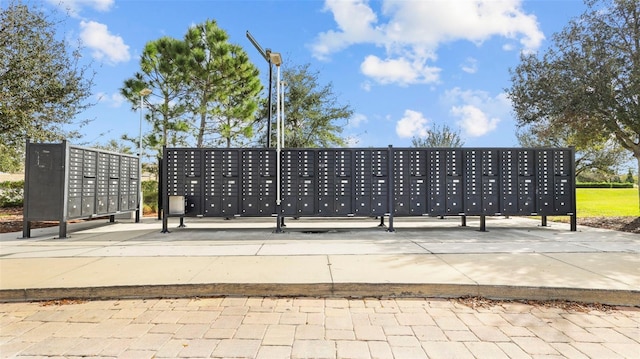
(629, 298)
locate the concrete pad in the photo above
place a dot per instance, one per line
(272, 269)
(34, 272)
(620, 267)
(173, 250)
(528, 270)
(318, 247)
(507, 246)
(407, 268)
(112, 271)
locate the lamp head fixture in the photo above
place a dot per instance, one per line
(276, 59)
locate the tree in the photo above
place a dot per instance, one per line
(311, 111)
(162, 72)
(223, 86)
(629, 178)
(439, 136)
(603, 156)
(588, 81)
(43, 85)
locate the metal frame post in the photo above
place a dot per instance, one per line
(390, 188)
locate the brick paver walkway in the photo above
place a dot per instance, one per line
(313, 328)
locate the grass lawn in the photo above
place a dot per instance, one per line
(607, 202)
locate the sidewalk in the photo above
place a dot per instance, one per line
(331, 258)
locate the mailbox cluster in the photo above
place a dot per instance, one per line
(64, 182)
(370, 182)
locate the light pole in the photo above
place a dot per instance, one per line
(283, 84)
(267, 55)
(276, 59)
(143, 93)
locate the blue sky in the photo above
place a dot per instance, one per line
(402, 65)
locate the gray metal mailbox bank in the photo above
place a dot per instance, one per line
(64, 182)
(212, 182)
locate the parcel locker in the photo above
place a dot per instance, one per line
(268, 181)
(230, 203)
(326, 182)
(363, 183)
(380, 182)
(402, 182)
(306, 186)
(289, 182)
(526, 182)
(490, 182)
(508, 182)
(454, 182)
(250, 182)
(563, 195)
(102, 183)
(544, 182)
(472, 182)
(344, 182)
(563, 176)
(212, 169)
(89, 184)
(437, 176)
(134, 177)
(65, 182)
(418, 185)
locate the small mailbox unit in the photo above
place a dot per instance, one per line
(64, 182)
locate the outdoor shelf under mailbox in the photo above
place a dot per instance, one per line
(64, 182)
(330, 182)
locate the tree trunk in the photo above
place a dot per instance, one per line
(638, 159)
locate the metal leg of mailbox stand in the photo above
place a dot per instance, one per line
(26, 229)
(181, 225)
(390, 229)
(165, 223)
(278, 222)
(381, 222)
(574, 223)
(483, 223)
(463, 221)
(544, 221)
(282, 222)
(62, 233)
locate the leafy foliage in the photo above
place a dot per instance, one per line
(11, 193)
(603, 156)
(162, 71)
(439, 136)
(589, 80)
(222, 86)
(43, 85)
(312, 111)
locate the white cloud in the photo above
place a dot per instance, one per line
(355, 20)
(113, 100)
(478, 113)
(411, 32)
(74, 6)
(96, 36)
(400, 71)
(473, 121)
(412, 124)
(357, 119)
(470, 65)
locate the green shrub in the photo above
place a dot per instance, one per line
(11, 193)
(603, 185)
(150, 195)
